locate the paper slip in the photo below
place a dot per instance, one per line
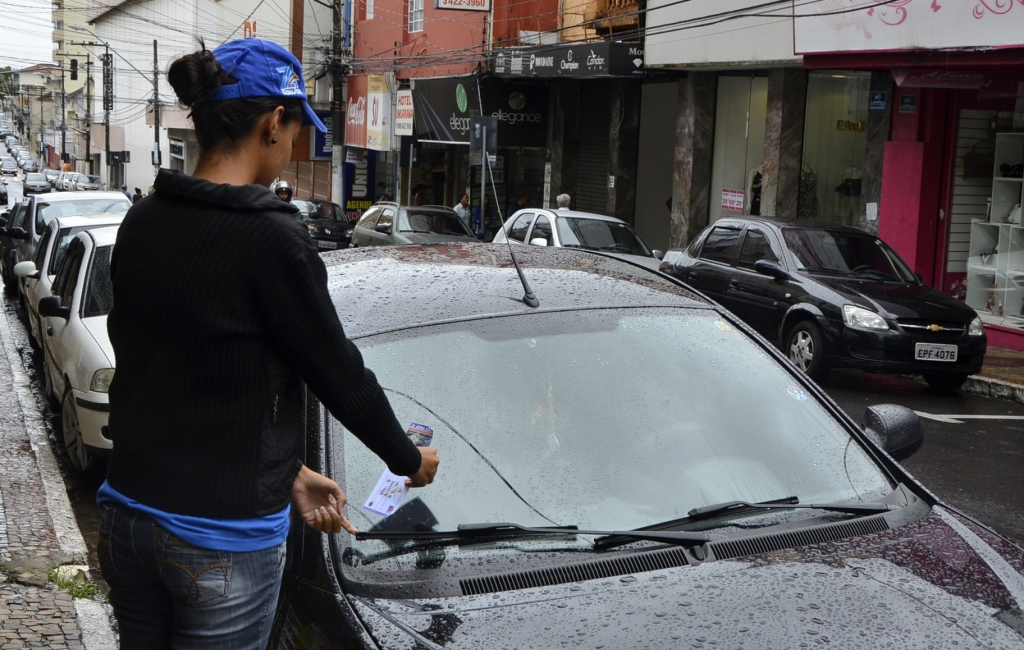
(390, 490)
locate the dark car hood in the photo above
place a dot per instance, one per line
(899, 300)
(939, 582)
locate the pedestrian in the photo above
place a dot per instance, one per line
(124, 190)
(206, 409)
(518, 204)
(419, 194)
(481, 226)
(137, 195)
(462, 209)
(563, 201)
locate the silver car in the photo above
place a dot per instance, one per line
(585, 230)
(84, 182)
(389, 224)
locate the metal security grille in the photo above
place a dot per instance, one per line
(595, 129)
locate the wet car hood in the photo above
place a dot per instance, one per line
(898, 299)
(938, 582)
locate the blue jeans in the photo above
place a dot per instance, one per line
(167, 593)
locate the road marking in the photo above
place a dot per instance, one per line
(958, 419)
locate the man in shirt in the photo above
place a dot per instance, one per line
(563, 201)
(462, 209)
(518, 204)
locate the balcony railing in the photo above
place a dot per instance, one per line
(611, 16)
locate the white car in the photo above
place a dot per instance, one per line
(37, 275)
(571, 229)
(79, 357)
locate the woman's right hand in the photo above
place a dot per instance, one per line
(428, 468)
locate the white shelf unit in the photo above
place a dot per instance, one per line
(995, 265)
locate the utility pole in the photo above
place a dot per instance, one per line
(63, 111)
(156, 107)
(337, 108)
(88, 112)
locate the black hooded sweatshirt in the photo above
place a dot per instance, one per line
(220, 308)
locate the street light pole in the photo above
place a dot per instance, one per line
(337, 108)
(156, 107)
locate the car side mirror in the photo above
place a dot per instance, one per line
(17, 233)
(51, 308)
(26, 269)
(771, 269)
(896, 429)
(384, 228)
(539, 241)
(658, 254)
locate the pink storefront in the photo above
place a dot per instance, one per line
(952, 172)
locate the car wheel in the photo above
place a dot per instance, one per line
(48, 389)
(805, 347)
(32, 340)
(72, 430)
(945, 383)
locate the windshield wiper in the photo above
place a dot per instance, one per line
(498, 530)
(823, 269)
(730, 507)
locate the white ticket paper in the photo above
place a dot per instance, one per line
(390, 490)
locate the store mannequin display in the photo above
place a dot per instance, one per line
(754, 181)
(848, 191)
(807, 206)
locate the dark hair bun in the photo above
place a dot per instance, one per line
(196, 77)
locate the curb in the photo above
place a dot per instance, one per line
(987, 387)
(97, 632)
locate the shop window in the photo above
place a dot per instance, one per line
(739, 146)
(835, 129)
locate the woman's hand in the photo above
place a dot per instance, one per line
(319, 501)
(428, 468)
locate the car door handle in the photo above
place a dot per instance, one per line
(49, 331)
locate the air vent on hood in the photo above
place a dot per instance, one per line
(607, 568)
(728, 549)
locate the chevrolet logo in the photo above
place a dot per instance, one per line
(935, 328)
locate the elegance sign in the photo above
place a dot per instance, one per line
(602, 59)
(822, 27)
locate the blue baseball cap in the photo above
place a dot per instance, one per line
(263, 69)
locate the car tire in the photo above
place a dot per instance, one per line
(945, 382)
(71, 431)
(48, 389)
(32, 340)
(805, 347)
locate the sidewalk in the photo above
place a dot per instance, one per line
(38, 532)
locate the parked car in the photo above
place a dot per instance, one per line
(51, 176)
(582, 230)
(14, 217)
(833, 297)
(326, 222)
(35, 183)
(85, 182)
(37, 274)
(4, 198)
(30, 166)
(41, 209)
(67, 182)
(79, 360)
(389, 224)
(758, 513)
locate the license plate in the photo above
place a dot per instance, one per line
(934, 352)
(327, 244)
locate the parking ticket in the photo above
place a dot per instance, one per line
(390, 490)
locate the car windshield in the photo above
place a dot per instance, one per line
(305, 207)
(47, 212)
(606, 419)
(600, 235)
(432, 221)
(92, 180)
(846, 253)
(39, 178)
(99, 291)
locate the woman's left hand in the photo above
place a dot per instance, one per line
(319, 501)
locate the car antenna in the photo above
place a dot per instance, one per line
(529, 299)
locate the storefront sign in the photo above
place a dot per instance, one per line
(355, 115)
(931, 78)
(323, 143)
(600, 59)
(732, 200)
(908, 103)
(360, 165)
(378, 105)
(176, 148)
(878, 101)
(847, 125)
(483, 136)
(404, 113)
(463, 5)
(443, 108)
(906, 24)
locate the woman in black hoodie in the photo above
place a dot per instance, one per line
(220, 309)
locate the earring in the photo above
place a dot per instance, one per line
(273, 140)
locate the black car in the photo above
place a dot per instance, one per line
(4, 197)
(613, 406)
(15, 216)
(326, 222)
(833, 296)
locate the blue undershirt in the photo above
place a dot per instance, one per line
(256, 534)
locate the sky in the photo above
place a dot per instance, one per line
(26, 31)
